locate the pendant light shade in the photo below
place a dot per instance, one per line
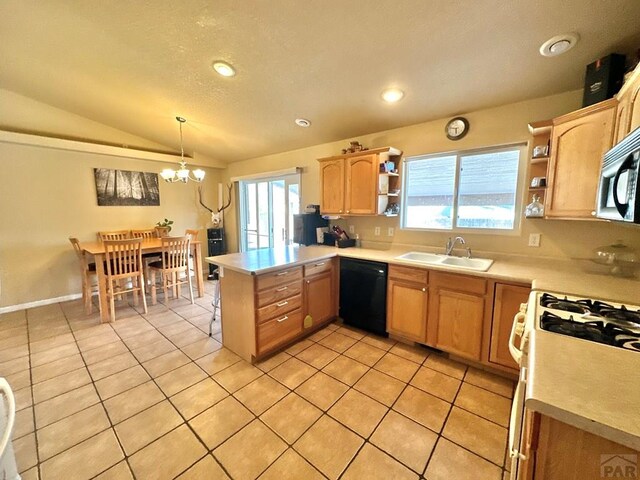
(183, 174)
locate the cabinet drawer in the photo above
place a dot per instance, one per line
(459, 283)
(279, 308)
(274, 279)
(278, 331)
(318, 267)
(276, 294)
(417, 275)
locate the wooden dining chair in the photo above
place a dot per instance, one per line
(175, 260)
(124, 263)
(147, 258)
(192, 233)
(144, 233)
(88, 274)
(114, 235)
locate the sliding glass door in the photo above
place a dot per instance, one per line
(267, 206)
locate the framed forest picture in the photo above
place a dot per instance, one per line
(125, 188)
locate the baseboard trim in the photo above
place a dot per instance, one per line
(39, 303)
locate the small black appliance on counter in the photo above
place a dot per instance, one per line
(603, 79)
(216, 246)
(304, 228)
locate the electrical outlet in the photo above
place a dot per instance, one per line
(352, 229)
(390, 232)
(534, 239)
(376, 231)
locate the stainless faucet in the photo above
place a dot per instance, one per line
(451, 244)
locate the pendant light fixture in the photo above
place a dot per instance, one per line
(183, 174)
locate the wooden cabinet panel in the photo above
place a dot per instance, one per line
(318, 267)
(460, 283)
(634, 107)
(506, 304)
(271, 280)
(278, 331)
(320, 293)
(578, 142)
(361, 185)
(407, 309)
(623, 118)
(409, 274)
(276, 294)
(460, 319)
(332, 184)
(279, 308)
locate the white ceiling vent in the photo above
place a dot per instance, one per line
(559, 44)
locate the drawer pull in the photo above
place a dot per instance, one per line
(283, 319)
(424, 289)
(319, 264)
(281, 274)
(282, 289)
(282, 304)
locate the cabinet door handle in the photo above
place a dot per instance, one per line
(424, 289)
(283, 319)
(340, 211)
(281, 273)
(282, 304)
(348, 211)
(319, 264)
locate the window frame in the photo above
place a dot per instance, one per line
(523, 147)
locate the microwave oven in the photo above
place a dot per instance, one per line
(618, 190)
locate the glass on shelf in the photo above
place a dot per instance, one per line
(535, 209)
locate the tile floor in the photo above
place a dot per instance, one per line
(153, 397)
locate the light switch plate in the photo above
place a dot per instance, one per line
(376, 231)
(390, 231)
(352, 229)
(534, 239)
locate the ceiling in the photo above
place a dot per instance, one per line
(136, 65)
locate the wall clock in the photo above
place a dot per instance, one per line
(457, 128)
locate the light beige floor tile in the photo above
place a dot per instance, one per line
(56, 353)
(444, 365)
(14, 352)
(148, 425)
(218, 361)
(237, 376)
(261, 394)
(153, 350)
(489, 381)
(351, 332)
(56, 368)
(62, 406)
(119, 471)
(174, 328)
(322, 390)
(219, 422)
(133, 401)
(406, 440)
(250, 451)
(346, 370)
(15, 341)
(14, 365)
(338, 342)
(24, 422)
(71, 430)
(112, 365)
(273, 361)
(451, 461)
(180, 378)
(436, 383)
(298, 347)
(379, 342)
(414, 353)
(19, 380)
(320, 334)
(397, 367)
(317, 356)
(121, 382)
(365, 353)
(358, 412)
(102, 353)
(318, 446)
(23, 397)
(165, 363)
(481, 436)
(202, 347)
(293, 466)
(132, 327)
(142, 339)
(94, 330)
(290, 417)
(102, 450)
(292, 372)
(31, 474)
(373, 463)
(97, 340)
(197, 398)
(25, 452)
(187, 337)
(42, 345)
(168, 456)
(422, 407)
(489, 405)
(205, 469)
(380, 387)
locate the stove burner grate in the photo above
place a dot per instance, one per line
(575, 306)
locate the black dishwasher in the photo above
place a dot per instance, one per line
(363, 294)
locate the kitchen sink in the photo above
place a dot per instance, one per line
(478, 264)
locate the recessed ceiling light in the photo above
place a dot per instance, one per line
(559, 44)
(392, 95)
(303, 122)
(224, 69)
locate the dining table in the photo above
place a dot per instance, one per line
(149, 245)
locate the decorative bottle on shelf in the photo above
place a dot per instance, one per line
(535, 209)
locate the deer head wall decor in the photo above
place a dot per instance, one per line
(217, 217)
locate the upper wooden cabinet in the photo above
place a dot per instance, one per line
(506, 304)
(578, 142)
(350, 183)
(628, 115)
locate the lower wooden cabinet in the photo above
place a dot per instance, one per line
(278, 331)
(319, 294)
(407, 310)
(457, 309)
(506, 303)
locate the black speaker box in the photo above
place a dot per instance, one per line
(603, 79)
